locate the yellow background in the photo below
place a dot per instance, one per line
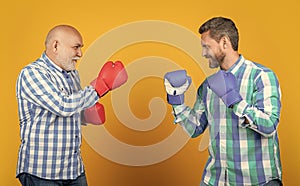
(269, 32)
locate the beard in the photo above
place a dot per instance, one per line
(213, 63)
(68, 64)
(216, 60)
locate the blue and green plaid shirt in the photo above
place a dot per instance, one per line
(50, 101)
(239, 153)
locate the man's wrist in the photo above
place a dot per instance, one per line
(240, 108)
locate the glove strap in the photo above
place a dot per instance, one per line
(231, 98)
(101, 87)
(175, 100)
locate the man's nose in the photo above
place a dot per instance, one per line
(203, 52)
(79, 52)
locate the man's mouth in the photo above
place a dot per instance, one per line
(75, 59)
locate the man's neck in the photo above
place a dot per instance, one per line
(229, 60)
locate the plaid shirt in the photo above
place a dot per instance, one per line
(239, 153)
(50, 101)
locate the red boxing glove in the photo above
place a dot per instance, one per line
(111, 76)
(95, 114)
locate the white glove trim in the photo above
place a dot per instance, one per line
(176, 90)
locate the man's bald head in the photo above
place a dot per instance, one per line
(59, 32)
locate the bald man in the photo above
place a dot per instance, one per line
(63, 46)
(50, 102)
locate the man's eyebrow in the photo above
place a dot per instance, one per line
(204, 45)
(78, 45)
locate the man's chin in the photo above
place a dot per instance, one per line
(70, 68)
(212, 66)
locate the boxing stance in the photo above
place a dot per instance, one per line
(51, 104)
(239, 105)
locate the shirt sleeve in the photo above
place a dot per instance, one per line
(193, 120)
(38, 88)
(264, 112)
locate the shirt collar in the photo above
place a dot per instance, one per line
(236, 65)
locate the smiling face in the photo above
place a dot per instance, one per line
(63, 47)
(219, 40)
(212, 50)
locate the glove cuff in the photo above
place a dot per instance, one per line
(101, 87)
(231, 98)
(175, 100)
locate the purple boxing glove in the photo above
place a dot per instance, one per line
(224, 84)
(176, 83)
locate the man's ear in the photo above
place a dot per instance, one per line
(225, 42)
(54, 46)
